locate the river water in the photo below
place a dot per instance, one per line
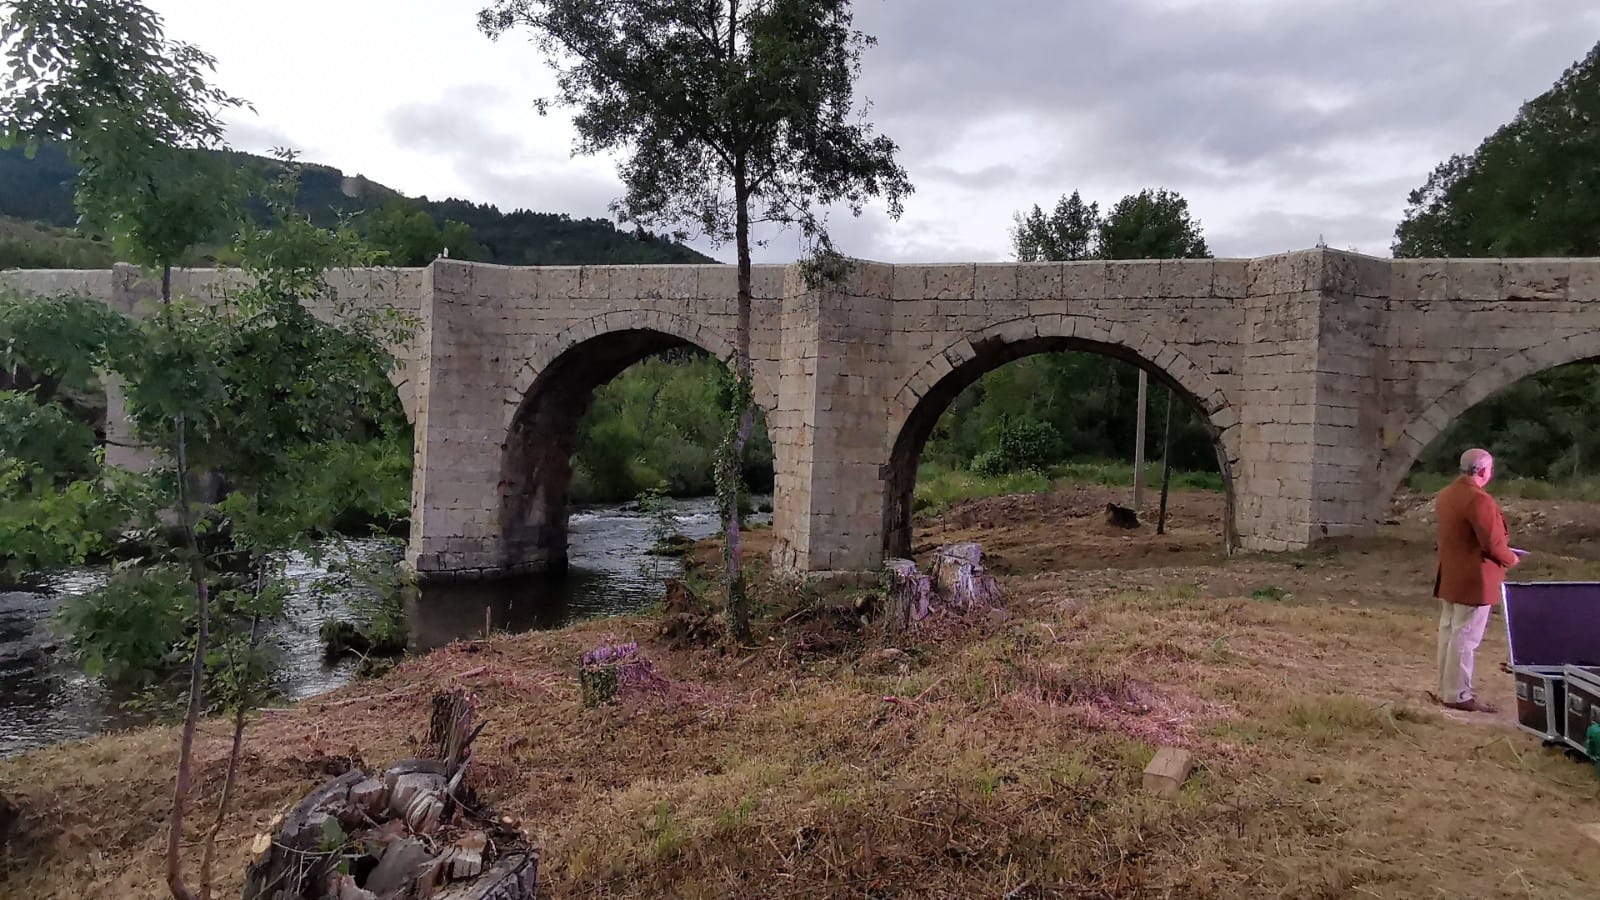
(46, 699)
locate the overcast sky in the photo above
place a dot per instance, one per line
(1281, 121)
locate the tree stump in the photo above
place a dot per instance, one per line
(960, 579)
(604, 671)
(910, 594)
(1121, 516)
(958, 582)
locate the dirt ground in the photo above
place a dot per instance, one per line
(993, 755)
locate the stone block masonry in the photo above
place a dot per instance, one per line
(1322, 374)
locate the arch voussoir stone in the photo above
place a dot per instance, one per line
(1472, 388)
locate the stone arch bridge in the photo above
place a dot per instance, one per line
(1322, 375)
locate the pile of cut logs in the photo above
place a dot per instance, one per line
(410, 832)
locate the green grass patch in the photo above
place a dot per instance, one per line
(1584, 487)
(939, 487)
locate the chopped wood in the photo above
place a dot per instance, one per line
(1167, 771)
(467, 859)
(515, 877)
(396, 833)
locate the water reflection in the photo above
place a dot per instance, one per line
(608, 573)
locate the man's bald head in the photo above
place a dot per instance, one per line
(1478, 465)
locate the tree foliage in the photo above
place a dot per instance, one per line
(1529, 189)
(725, 114)
(129, 105)
(408, 236)
(1152, 224)
(1085, 401)
(1070, 232)
(39, 190)
(244, 386)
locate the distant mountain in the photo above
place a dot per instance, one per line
(38, 192)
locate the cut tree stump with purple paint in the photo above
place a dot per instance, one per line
(610, 670)
(910, 594)
(960, 580)
(958, 583)
(410, 832)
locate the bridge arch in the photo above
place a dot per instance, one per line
(1469, 391)
(548, 398)
(923, 398)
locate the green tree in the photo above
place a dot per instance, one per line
(251, 386)
(1070, 232)
(1529, 189)
(727, 113)
(101, 78)
(408, 236)
(1152, 224)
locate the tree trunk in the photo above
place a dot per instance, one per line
(197, 666)
(238, 738)
(733, 582)
(910, 595)
(960, 580)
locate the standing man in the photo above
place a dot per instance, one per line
(1474, 554)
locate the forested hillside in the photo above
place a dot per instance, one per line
(411, 230)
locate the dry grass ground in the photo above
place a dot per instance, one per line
(995, 757)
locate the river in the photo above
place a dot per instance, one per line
(46, 699)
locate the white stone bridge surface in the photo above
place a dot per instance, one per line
(1323, 375)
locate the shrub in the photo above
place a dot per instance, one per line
(131, 629)
(1022, 445)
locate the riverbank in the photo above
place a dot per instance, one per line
(46, 698)
(972, 759)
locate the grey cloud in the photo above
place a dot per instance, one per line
(978, 179)
(458, 124)
(1197, 96)
(556, 189)
(251, 136)
(1271, 232)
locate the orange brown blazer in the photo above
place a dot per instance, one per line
(1474, 551)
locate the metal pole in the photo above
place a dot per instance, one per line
(1138, 443)
(1166, 466)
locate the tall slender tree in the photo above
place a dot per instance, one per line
(726, 114)
(1070, 232)
(130, 105)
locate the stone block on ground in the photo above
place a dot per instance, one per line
(1167, 772)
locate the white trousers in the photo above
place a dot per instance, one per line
(1460, 633)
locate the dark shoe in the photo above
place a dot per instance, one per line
(1473, 704)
